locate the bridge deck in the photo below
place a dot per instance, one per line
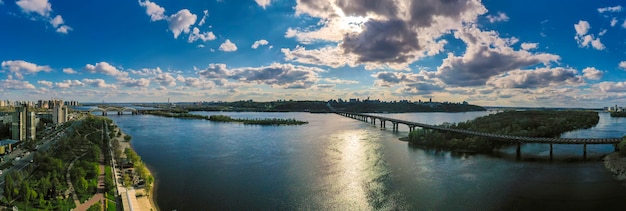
(498, 137)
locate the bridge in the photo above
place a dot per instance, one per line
(492, 136)
(119, 110)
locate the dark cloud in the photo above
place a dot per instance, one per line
(284, 75)
(421, 88)
(543, 77)
(382, 41)
(385, 8)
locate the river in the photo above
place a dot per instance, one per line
(337, 163)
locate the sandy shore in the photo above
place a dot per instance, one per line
(144, 202)
(616, 164)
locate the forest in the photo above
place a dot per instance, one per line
(538, 123)
(43, 184)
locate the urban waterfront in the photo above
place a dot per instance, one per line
(337, 163)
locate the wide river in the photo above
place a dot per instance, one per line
(337, 163)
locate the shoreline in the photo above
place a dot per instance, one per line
(149, 203)
(616, 165)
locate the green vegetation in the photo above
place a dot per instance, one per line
(266, 121)
(224, 118)
(618, 114)
(43, 185)
(140, 169)
(515, 123)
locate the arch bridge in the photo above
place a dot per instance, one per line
(492, 136)
(119, 110)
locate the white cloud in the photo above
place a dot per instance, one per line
(200, 46)
(613, 21)
(624, 24)
(129, 82)
(259, 43)
(9, 83)
(603, 32)
(202, 21)
(340, 81)
(41, 7)
(501, 17)
(592, 73)
(57, 21)
(64, 29)
(582, 27)
(617, 8)
(541, 77)
(20, 67)
(529, 46)
(263, 3)
(622, 65)
(69, 71)
(45, 83)
(99, 83)
(286, 76)
(228, 46)
(68, 84)
(155, 11)
(181, 21)
(196, 35)
(584, 39)
(165, 79)
(105, 68)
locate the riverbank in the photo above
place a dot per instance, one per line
(616, 164)
(146, 200)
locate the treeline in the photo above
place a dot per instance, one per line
(251, 106)
(403, 107)
(514, 123)
(266, 121)
(618, 114)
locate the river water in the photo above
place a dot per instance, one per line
(337, 163)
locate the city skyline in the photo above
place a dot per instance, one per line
(489, 53)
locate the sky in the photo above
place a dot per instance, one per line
(492, 53)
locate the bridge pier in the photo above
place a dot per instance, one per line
(518, 151)
(550, 151)
(584, 151)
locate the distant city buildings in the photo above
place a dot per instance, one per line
(24, 124)
(614, 109)
(24, 116)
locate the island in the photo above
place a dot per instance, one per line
(183, 114)
(534, 123)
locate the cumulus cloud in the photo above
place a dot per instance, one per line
(340, 81)
(105, 68)
(584, 39)
(529, 46)
(592, 73)
(197, 35)
(165, 79)
(622, 65)
(486, 55)
(384, 34)
(12, 84)
(613, 21)
(281, 75)
(258, 43)
(69, 71)
(45, 83)
(499, 18)
(181, 21)
(541, 77)
(617, 8)
(98, 83)
(130, 82)
(68, 84)
(263, 3)
(153, 10)
(43, 8)
(203, 19)
(412, 83)
(228, 46)
(619, 87)
(21, 67)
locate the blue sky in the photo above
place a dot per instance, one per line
(511, 53)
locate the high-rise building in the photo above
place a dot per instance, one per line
(59, 112)
(24, 124)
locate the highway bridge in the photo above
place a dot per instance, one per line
(492, 136)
